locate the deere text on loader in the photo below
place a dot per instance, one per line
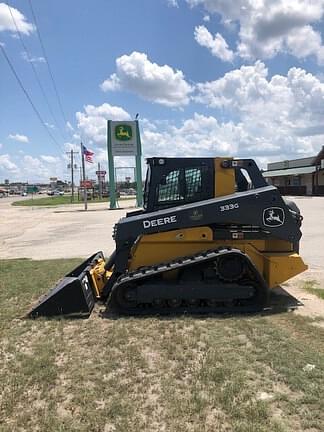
(212, 237)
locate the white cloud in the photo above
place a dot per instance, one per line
(269, 27)
(206, 18)
(237, 87)
(278, 117)
(249, 91)
(6, 165)
(173, 3)
(71, 146)
(22, 167)
(152, 82)
(50, 159)
(32, 59)
(34, 168)
(281, 115)
(217, 45)
(198, 136)
(38, 170)
(205, 136)
(6, 21)
(92, 123)
(313, 46)
(19, 138)
(69, 126)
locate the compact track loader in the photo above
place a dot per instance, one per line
(212, 237)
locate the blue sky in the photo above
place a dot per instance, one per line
(208, 77)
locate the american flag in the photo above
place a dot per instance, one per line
(88, 154)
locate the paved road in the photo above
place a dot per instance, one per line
(56, 232)
(312, 242)
(67, 231)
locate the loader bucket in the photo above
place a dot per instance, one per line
(71, 296)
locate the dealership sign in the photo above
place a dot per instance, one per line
(123, 138)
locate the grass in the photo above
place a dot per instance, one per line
(311, 286)
(53, 201)
(240, 374)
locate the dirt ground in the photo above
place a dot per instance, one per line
(69, 232)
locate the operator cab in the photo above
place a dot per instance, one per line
(176, 181)
(172, 182)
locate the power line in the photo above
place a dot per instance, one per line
(47, 63)
(28, 96)
(35, 72)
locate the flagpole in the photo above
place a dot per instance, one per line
(85, 192)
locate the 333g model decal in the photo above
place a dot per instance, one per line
(227, 207)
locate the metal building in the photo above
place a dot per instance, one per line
(303, 176)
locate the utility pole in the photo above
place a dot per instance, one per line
(99, 181)
(72, 166)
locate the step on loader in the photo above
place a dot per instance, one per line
(212, 237)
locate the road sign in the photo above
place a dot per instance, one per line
(123, 138)
(87, 184)
(32, 189)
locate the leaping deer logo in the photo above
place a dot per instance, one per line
(123, 132)
(273, 216)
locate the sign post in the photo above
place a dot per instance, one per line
(138, 158)
(123, 139)
(111, 169)
(101, 178)
(85, 192)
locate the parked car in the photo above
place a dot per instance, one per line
(55, 193)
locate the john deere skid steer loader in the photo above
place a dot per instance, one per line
(212, 237)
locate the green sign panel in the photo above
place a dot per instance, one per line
(32, 189)
(123, 139)
(123, 136)
(123, 132)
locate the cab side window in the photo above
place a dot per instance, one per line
(169, 188)
(193, 184)
(183, 185)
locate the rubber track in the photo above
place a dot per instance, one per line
(180, 263)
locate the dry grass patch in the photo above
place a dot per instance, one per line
(313, 287)
(196, 374)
